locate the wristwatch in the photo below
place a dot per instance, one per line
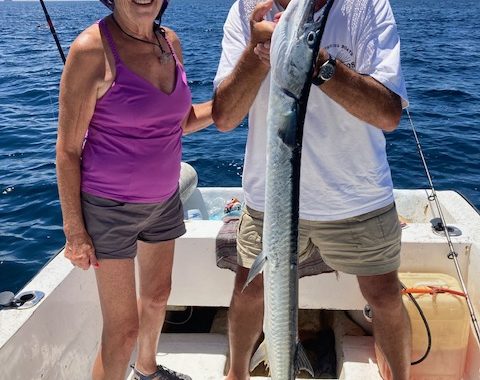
(326, 72)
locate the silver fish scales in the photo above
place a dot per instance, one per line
(294, 47)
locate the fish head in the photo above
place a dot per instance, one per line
(294, 46)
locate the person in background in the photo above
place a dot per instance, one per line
(124, 105)
(347, 206)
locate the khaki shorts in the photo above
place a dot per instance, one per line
(364, 245)
(116, 226)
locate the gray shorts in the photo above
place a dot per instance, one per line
(115, 226)
(364, 245)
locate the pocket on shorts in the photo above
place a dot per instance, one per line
(379, 230)
(390, 225)
(240, 222)
(249, 229)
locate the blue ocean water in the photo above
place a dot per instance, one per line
(440, 53)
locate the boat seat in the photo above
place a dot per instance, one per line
(188, 181)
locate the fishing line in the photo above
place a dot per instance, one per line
(452, 255)
(52, 30)
(57, 42)
(52, 107)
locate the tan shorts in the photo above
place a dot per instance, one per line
(364, 245)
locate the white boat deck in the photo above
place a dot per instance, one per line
(201, 356)
(58, 338)
(204, 356)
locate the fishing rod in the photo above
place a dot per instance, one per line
(52, 30)
(452, 255)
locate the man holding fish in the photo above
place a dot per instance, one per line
(346, 207)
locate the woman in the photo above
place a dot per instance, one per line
(124, 83)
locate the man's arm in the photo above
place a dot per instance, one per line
(362, 96)
(236, 93)
(375, 90)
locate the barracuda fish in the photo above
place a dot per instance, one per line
(294, 47)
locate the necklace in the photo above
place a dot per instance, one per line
(163, 56)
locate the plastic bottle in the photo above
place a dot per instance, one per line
(215, 208)
(194, 214)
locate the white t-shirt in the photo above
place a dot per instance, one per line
(344, 170)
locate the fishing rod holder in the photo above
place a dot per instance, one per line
(368, 313)
(24, 300)
(439, 229)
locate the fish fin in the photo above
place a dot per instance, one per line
(259, 356)
(301, 361)
(256, 268)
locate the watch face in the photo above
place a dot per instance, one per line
(327, 71)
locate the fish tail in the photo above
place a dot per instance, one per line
(301, 361)
(259, 356)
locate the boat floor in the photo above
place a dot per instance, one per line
(204, 355)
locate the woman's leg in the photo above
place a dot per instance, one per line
(155, 262)
(116, 288)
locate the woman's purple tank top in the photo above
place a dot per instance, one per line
(133, 147)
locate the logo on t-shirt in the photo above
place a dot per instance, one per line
(343, 53)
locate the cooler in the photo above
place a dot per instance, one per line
(448, 318)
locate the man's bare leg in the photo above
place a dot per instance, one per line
(245, 318)
(391, 323)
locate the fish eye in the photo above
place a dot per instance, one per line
(311, 38)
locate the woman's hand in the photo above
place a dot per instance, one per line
(79, 250)
(199, 117)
